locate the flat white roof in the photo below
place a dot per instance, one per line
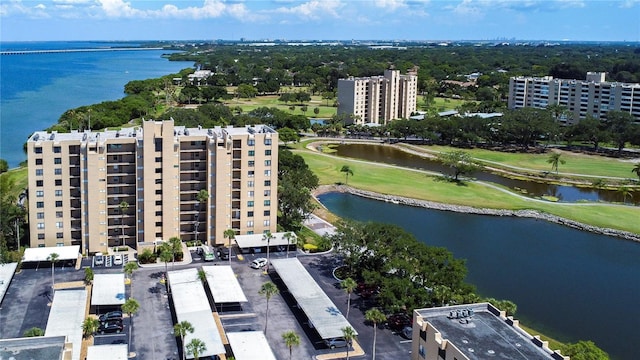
(108, 289)
(6, 274)
(107, 352)
(191, 304)
(256, 240)
(66, 317)
(321, 311)
(250, 345)
(42, 253)
(223, 284)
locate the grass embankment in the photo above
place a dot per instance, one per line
(415, 184)
(20, 179)
(574, 163)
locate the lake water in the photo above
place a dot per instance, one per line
(35, 89)
(570, 284)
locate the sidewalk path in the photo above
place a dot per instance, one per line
(319, 226)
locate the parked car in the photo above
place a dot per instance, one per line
(111, 315)
(258, 263)
(223, 253)
(397, 322)
(407, 332)
(98, 259)
(336, 343)
(117, 259)
(114, 326)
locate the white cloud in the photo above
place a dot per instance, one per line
(391, 5)
(626, 4)
(313, 9)
(17, 7)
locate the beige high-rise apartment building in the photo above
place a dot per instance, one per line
(137, 185)
(593, 96)
(378, 99)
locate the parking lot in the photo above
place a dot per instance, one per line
(27, 303)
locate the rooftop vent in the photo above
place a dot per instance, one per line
(36, 137)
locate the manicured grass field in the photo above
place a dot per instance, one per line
(574, 163)
(415, 184)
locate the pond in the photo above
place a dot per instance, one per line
(570, 284)
(564, 193)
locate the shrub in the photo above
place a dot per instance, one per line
(147, 257)
(310, 248)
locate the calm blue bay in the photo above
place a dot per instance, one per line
(570, 284)
(35, 89)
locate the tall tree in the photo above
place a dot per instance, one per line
(124, 206)
(348, 285)
(53, 258)
(625, 191)
(349, 335)
(620, 125)
(230, 234)
(461, 162)
(175, 246)
(291, 339)
(295, 183)
(131, 307)
(346, 169)
(289, 236)
(268, 237)
(268, 290)
(196, 347)
(555, 159)
(376, 317)
(89, 326)
(130, 267)
(181, 330)
(584, 350)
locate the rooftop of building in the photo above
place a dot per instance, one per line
(484, 332)
(592, 77)
(40, 347)
(137, 132)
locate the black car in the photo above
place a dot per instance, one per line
(112, 315)
(113, 326)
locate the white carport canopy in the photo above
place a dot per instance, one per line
(191, 304)
(250, 345)
(66, 317)
(223, 284)
(321, 311)
(6, 274)
(108, 289)
(107, 352)
(257, 240)
(42, 253)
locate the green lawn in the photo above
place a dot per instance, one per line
(414, 184)
(574, 163)
(20, 178)
(326, 108)
(441, 104)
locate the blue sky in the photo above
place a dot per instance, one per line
(579, 20)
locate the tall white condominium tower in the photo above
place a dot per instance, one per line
(593, 96)
(378, 99)
(137, 185)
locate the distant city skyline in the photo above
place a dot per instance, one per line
(570, 20)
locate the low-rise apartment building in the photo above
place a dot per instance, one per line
(378, 99)
(473, 332)
(142, 184)
(593, 96)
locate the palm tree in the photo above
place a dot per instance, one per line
(636, 169)
(349, 335)
(347, 171)
(165, 255)
(202, 276)
(175, 245)
(89, 326)
(181, 329)
(267, 237)
(196, 347)
(625, 191)
(288, 236)
(88, 275)
(375, 316)
(348, 285)
(131, 306)
(230, 234)
(267, 290)
(124, 206)
(291, 339)
(554, 159)
(53, 257)
(130, 267)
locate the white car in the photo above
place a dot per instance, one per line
(98, 259)
(258, 263)
(117, 259)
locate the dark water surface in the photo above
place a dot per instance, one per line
(392, 155)
(570, 284)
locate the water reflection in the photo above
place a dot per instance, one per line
(564, 193)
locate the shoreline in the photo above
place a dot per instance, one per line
(533, 214)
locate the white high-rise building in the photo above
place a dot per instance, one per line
(378, 99)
